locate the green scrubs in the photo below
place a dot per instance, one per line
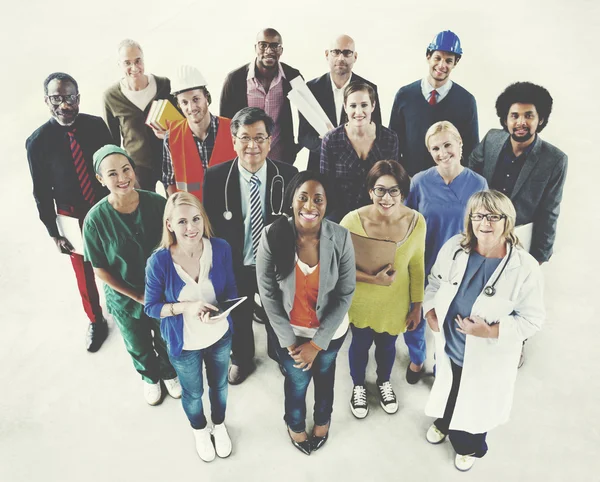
(121, 244)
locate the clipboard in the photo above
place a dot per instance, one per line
(372, 254)
(525, 232)
(69, 228)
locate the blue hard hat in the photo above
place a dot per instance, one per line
(446, 41)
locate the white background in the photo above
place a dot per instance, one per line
(69, 415)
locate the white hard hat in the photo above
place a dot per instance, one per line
(187, 78)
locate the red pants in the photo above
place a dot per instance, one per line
(85, 282)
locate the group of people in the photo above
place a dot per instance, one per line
(241, 221)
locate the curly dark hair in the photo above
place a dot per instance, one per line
(525, 93)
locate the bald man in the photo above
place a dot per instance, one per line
(329, 92)
(265, 83)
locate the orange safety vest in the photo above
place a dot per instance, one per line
(187, 165)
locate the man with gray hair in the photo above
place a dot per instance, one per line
(228, 190)
(265, 83)
(329, 92)
(126, 107)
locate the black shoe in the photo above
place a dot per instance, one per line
(96, 334)
(237, 374)
(304, 446)
(317, 442)
(259, 315)
(413, 377)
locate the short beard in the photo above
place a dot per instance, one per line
(524, 138)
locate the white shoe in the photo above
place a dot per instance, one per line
(464, 462)
(434, 436)
(204, 445)
(387, 398)
(173, 387)
(222, 441)
(358, 402)
(152, 393)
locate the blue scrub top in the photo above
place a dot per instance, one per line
(479, 270)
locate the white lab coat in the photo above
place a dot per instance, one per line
(490, 365)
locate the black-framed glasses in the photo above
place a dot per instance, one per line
(338, 52)
(59, 99)
(492, 218)
(381, 191)
(263, 46)
(247, 139)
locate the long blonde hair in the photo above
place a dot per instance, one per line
(497, 203)
(182, 199)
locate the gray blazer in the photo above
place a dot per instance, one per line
(337, 282)
(538, 190)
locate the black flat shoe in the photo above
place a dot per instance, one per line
(414, 377)
(304, 446)
(317, 442)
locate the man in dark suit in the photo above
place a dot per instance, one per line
(265, 83)
(329, 92)
(518, 163)
(241, 197)
(60, 160)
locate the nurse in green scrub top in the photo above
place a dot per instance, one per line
(120, 233)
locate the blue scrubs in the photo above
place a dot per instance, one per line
(442, 205)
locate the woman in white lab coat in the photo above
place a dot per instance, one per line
(483, 299)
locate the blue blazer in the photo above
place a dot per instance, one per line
(163, 285)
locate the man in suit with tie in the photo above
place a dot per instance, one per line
(434, 98)
(241, 197)
(60, 160)
(329, 92)
(517, 162)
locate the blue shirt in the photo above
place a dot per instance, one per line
(442, 205)
(245, 176)
(478, 273)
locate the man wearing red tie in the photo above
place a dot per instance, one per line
(60, 160)
(434, 98)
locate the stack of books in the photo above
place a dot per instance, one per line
(161, 112)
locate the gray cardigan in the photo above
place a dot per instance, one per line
(538, 190)
(337, 282)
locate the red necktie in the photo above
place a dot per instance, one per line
(83, 175)
(432, 97)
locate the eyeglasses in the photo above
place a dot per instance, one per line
(263, 46)
(381, 191)
(59, 99)
(338, 52)
(246, 139)
(492, 218)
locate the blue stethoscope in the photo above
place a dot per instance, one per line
(228, 215)
(490, 290)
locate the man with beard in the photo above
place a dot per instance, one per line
(200, 140)
(329, 92)
(265, 83)
(60, 160)
(518, 163)
(434, 98)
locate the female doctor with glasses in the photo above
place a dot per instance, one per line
(484, 297)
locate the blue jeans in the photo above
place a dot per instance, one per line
(297, 381)
(358, 354)
(188, 366)
(415, 341)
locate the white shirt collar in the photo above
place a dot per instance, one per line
(261, 173)
(426, 89)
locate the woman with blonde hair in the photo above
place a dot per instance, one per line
(185, 279)
(440, 194)
(484, 297)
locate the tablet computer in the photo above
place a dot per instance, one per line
(227, 306)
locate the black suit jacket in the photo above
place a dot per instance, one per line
(234, 98)
(214, 201)
(321, 89)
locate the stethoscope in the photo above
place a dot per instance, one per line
(228, 215)
(490, 290)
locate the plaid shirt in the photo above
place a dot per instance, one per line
(205, 149)
(509, 167)
(347, 173)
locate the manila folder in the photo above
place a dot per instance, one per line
(372, 255)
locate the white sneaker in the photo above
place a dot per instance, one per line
(222, 441)
(358, 402)
(464, 462)
(152, 393)
(434, 436)
(387, 398)
(204, 445)
(173, 387)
